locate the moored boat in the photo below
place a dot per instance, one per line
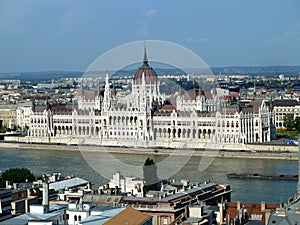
(262, 176)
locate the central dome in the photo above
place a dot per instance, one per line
(149, 74)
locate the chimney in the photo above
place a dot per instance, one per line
(238, 205)
(80, 203)
(186, 212)
(262, 206)
(267, 216)
(28, 193)
(46, 197)
(221, 209)
(7, 184)
(89, 185)
(26, 206)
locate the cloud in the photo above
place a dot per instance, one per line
(197, 40)
(144, 22)
(149, 12)
(290, 34)
(287, 35)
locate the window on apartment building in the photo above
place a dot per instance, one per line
(75, 218)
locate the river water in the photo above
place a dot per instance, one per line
(245, 190)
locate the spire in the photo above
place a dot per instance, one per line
(107, 96)
(145, 55)
(106, 78)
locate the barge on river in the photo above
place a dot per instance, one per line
(262, 176)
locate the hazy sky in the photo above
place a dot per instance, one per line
(39, 35)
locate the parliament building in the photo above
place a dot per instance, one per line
(148, 118)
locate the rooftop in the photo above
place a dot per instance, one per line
(69, 183)
(107, 214)
(285, 102)
(128, 216)
(24, 218)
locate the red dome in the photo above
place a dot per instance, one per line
(149, 73)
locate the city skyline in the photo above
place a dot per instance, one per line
(70, 35)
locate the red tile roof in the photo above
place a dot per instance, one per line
(128, 216)
(252, 209)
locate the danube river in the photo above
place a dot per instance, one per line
(74, 163)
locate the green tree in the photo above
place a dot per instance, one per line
(16, 175)
(297, 124)
(3, 129)
(289, 122)
(150, 175)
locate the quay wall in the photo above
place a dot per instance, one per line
(167, 144)
(263, 151)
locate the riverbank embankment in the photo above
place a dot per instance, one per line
(249, 154)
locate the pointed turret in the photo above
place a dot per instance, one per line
(106, 78)
(107, 94)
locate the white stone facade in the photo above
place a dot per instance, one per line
(146, 121)
(24, 111)
(284, 107)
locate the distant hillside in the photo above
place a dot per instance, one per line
(268, 71)
(40, 76)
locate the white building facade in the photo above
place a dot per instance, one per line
(147, 120)
(24, 112)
